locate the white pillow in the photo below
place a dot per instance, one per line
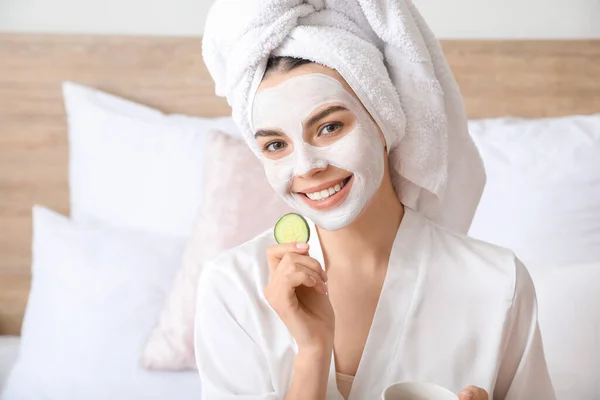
(96, 294)
(133, 166)
(542, 197)
(9, 351)
(569, 316)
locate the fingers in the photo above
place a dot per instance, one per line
(291, 266)
(291, 269)
(281, 290)
(296, 253)
(305, 278)
(306, 261)
(473, 393)
(276, 252)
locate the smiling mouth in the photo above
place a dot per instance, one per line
(327, 193)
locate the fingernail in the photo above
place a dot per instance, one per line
(467, 393)
(302, 246)
(325, 288)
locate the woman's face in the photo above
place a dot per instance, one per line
(321, 150)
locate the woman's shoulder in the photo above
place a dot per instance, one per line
(494, 269)
(229, 298)
(244, 266)
(465, 247)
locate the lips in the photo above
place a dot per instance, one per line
(333, 196)
(327, 192)
(325, 186)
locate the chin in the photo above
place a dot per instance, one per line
(331, 220)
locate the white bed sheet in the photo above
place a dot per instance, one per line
(9, 350)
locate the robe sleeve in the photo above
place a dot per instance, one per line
(230, 362)
(523, 372)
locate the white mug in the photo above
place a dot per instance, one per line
(417, 391)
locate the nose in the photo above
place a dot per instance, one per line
(308, 164)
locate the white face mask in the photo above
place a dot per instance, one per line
(284, 108)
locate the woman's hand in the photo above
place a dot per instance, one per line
(298, 293)
(473, 393)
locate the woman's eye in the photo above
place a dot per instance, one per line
(275, 146)
(330, 128)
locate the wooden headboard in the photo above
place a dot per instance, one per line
(497, 78)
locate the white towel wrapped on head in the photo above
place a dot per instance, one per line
(394, 64)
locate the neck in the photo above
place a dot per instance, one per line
(367, 242)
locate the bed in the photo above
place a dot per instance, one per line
(9, 350)
(530, 79)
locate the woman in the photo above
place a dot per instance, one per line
(384, 291)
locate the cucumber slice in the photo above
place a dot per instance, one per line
(292, 228)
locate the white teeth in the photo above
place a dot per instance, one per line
(323, 194)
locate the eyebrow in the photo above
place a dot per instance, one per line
(267, 133)
(329, 110)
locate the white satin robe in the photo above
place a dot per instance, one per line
(453, 311)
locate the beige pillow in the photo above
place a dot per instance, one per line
(238, 204)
